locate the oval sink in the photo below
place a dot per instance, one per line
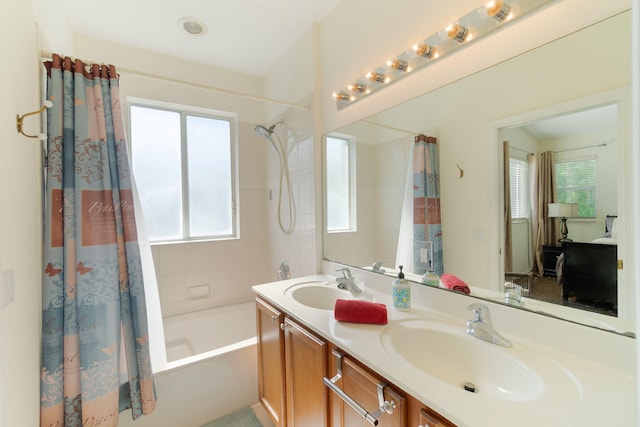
(322, 296)
(447, 353)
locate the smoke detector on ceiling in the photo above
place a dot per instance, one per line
(193, 26)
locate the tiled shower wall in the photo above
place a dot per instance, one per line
(198, 275)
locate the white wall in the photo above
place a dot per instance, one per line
(20, 216)
(292, 80)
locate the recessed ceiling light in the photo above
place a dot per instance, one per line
(193, 26)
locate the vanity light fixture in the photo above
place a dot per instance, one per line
(498, 10)
(457, 32)
(342, 97)
(490, 17)
(425, 51)
(358, 88)
(399, 65)
(378, 77)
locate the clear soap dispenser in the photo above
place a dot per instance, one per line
(431, 278)
(401, 292)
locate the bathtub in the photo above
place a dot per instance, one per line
(211, 367)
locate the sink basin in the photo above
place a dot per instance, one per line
(445, 352)
(320, 295)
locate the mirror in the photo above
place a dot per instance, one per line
(467, 117)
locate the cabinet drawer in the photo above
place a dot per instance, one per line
(361, 385)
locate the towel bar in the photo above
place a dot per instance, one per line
(385, 406)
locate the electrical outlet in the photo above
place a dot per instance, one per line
(7, 288)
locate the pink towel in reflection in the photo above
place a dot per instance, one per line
(454, 283)
(358, 311)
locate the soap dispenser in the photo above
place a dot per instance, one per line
(431, 278)
(401, 292)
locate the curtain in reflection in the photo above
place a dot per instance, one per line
(427, 225)
(95, 342)
(508, 249)
(545, 192)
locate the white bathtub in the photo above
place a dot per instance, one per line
(211, 367)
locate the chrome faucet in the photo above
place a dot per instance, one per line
(377, 267)
(346, 281)
(481, 327)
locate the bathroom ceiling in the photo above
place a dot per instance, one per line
(246, 36)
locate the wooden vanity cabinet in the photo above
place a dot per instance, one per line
(291, 365)
(271, 362)
(292, 362)
(305, 366)
(361, 384)
(421, 416)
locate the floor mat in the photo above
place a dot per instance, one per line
(244, 417)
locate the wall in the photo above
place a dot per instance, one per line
(292, 80)
(20, 217)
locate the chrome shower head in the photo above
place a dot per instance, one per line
(263, 131)
(266, 133)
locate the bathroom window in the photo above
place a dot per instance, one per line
(341, 194)
(576, 183)
(519, 186)
(183, 164)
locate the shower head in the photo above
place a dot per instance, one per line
(263, 131)
(267, 132)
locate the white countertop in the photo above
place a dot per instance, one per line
(601, 364)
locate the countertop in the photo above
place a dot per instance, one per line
(602, 389)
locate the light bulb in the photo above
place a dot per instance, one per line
(377, 77)
(425, 50)
(356, 87)
(457, 32)
(399, 64)
(498, 10)
(341, 96)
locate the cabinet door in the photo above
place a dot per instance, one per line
(305, 356)
(362, 386)
(428, 418)
(422, 416)
(270, 361)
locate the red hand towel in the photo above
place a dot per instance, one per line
(454, 283)
(358, 311)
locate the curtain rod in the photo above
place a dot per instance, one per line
(604, 144)
(408, 132)
(519, 149)
(46, 56)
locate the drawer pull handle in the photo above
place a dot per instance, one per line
(385, 406)
(274, 319)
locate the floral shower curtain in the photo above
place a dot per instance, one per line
(427, 227)
(95, 347)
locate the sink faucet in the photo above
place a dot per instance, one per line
(377, 267)
(481, 327)
(347, 282)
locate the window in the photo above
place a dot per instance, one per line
(576, 183)
(340, 185)
(519, 183)
(184, 171)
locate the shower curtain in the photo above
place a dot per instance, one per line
(95, 341)
(427, 227)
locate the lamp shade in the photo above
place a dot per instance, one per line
(563, 210)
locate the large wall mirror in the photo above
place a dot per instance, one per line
(568, 97)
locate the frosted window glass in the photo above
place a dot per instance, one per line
(156, 157)
(209, 174)
(338, 185)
